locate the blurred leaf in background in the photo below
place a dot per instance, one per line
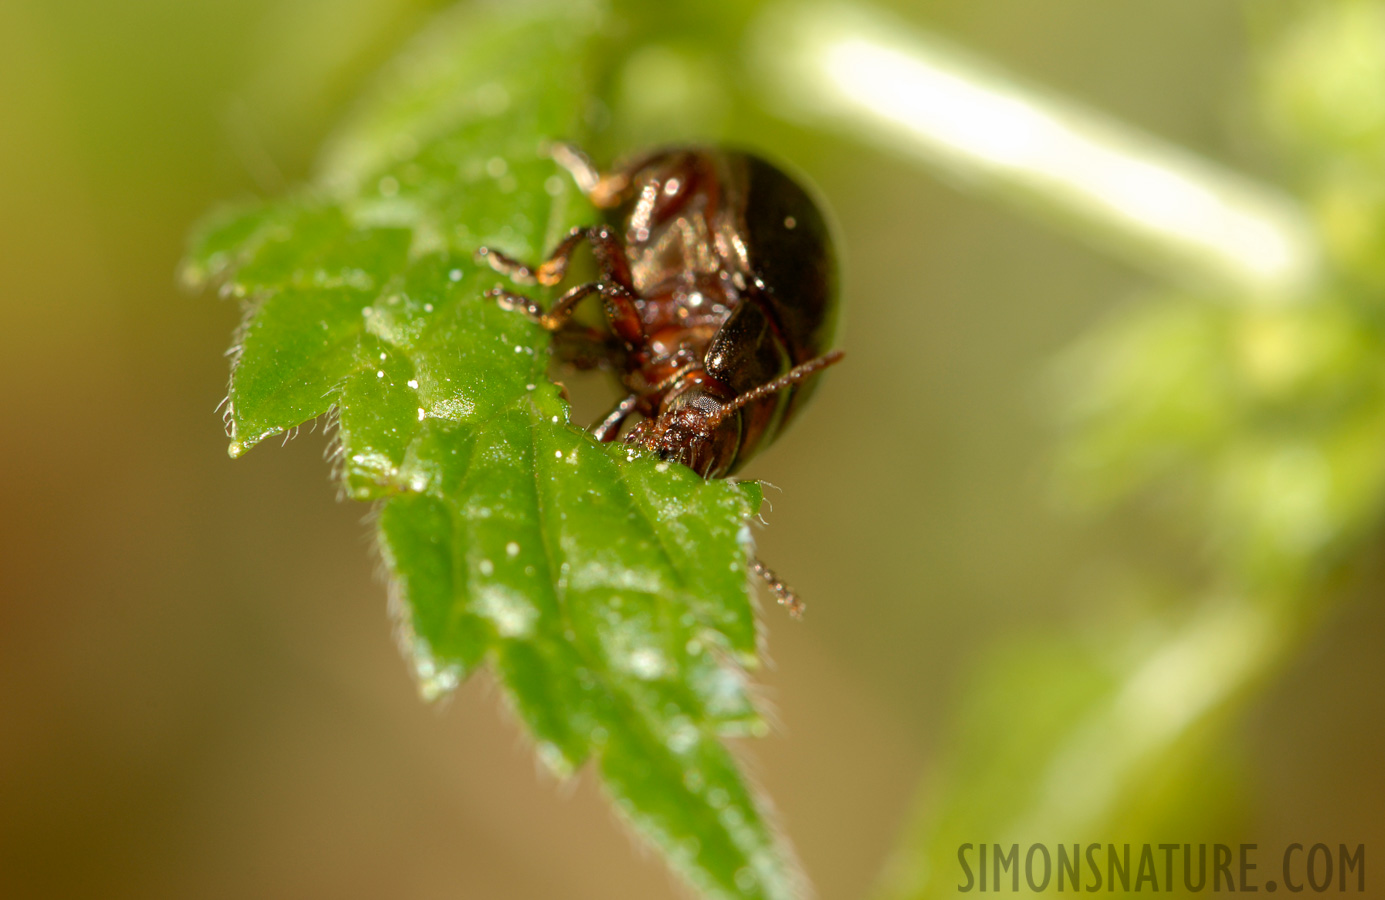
(1253, 426)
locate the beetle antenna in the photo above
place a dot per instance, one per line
(782, 592)
(788, 379)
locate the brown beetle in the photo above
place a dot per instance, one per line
(718, 279)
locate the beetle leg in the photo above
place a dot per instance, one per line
(605, 246)
(610, 426)
(549, 272)
(555, 316)
(512, 301)
(782, 592)
(603, 190)
(623, 312)
(618, 301)
(610, 258)
(506, 265)
(588, 348)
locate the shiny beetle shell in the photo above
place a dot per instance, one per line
(718, 278)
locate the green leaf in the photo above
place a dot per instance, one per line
(608, 591)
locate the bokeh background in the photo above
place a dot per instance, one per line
(200, 694)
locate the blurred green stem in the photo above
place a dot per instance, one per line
(1190, 678)
(859, 71)
(1185, 680)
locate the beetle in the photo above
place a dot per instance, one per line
(718, 278)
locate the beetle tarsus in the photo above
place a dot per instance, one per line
(516, 302)
(603, 190)
(622, 312)
(506, 265)
(605, 246)
(782, 592)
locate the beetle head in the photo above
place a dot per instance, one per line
(694, 431)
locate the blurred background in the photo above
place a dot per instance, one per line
(1043, 467)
